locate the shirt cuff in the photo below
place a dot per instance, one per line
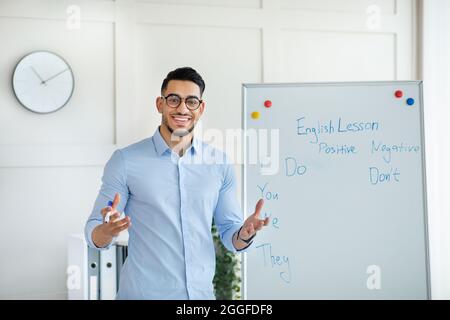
(245, 249)
(229, 240)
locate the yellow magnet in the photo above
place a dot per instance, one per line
(255, 115)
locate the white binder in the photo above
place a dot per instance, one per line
(77, 268)
(93, 273)
(108, 274)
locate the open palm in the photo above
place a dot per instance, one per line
(253, 223)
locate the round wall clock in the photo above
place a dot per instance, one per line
(43, 82)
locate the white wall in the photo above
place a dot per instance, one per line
(50, 165)
(436, 76)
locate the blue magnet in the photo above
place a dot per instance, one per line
(410, 101)
(110, 203)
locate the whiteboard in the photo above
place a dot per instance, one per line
(341, 169)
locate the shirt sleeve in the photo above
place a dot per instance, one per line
(228, 215)
(113, 181)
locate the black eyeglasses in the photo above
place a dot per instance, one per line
(174, 100)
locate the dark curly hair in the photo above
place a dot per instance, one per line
(184, 73)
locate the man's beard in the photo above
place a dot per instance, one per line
(177, 132)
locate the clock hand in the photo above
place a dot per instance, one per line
(54, 76)
(37, 74)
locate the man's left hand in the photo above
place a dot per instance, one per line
(253, 223)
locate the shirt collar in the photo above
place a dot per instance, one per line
(161, 145)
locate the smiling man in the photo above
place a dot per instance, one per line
(171, 196)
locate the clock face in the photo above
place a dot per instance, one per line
(43, 82)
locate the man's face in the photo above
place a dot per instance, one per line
(180, 121)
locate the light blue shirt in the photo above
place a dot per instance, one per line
(171, 201)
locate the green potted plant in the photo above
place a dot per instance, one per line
(227, 280)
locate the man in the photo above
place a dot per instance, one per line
(171, 194)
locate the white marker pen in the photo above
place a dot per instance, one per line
(110, 203)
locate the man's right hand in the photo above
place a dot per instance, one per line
(103, 234)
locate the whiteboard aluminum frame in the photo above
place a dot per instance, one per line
(419, 83)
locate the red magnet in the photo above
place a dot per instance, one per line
(267, 103)
(399, 93)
